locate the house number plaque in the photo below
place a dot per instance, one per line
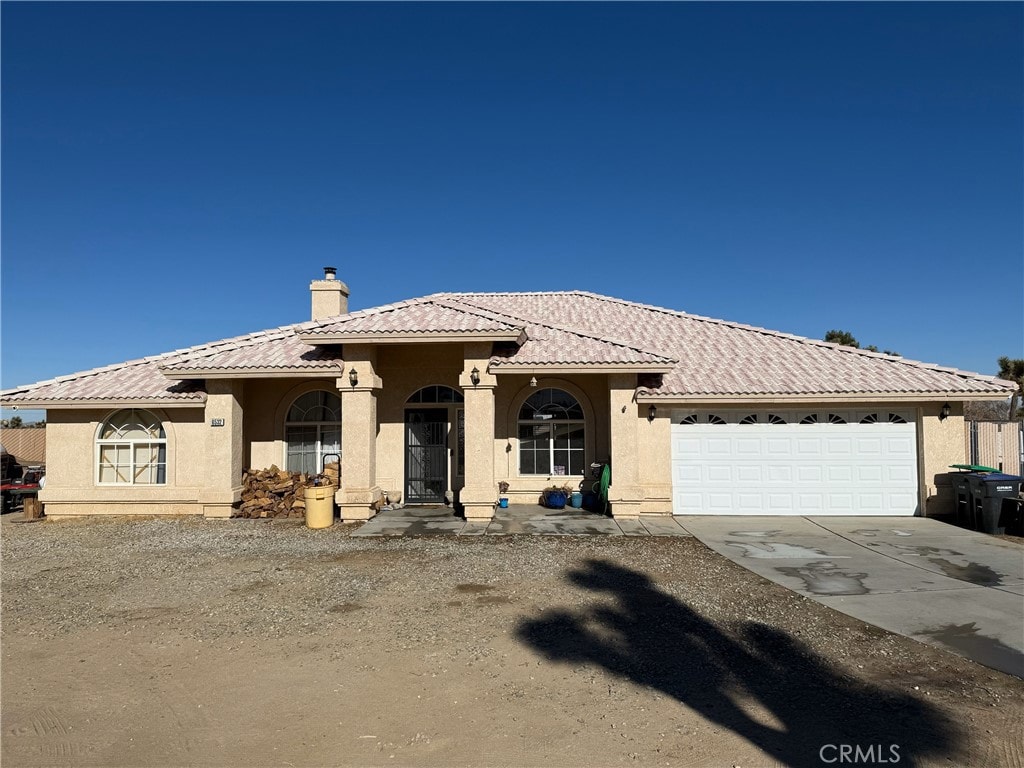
(216, 422)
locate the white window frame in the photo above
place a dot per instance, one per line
(581, 422)
(149, 422)
(319, 425)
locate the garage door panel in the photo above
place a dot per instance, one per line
(750, 473)
(718, 446)
(868, 447)
(869, 474)
(809, 474)
(718, 473)
(689, 447)
(811, 447)
(838, 473)
(794, 469)
(899, 475)
(838, 446)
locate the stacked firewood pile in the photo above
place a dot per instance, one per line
(278, 493)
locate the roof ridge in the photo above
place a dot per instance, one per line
(311, 325)
(581, 334)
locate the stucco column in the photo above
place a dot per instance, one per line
(222, 487)
(359, 489)
(655, 466)
(480, 493)
(625, 493)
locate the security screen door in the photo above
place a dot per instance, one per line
(426, 455)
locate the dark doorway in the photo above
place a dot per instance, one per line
(426, 455)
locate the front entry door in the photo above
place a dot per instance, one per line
(426, 455)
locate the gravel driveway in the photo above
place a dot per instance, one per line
(191, 642)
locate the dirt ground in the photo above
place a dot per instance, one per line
(190, 642)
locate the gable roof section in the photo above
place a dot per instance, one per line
(431, 318)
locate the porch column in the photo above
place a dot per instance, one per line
(359, 489)
(223, 460)
(480, 492)
(625, 493)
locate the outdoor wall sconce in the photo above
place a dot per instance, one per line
(474, 375)
(353, 377)
(533, 381)
(652, 412)
(944, 413)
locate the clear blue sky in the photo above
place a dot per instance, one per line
(177, 173)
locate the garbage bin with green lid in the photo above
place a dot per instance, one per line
(319, 506)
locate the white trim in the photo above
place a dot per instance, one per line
(132, 443)
(518, 422)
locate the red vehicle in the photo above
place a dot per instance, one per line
(16, 482)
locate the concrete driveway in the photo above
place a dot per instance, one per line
(957, 589)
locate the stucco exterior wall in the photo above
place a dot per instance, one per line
(641, 464)
(513, 390)
(405, 369)
(942, 441)
(71, 462)
(655, 461)
(266, 405)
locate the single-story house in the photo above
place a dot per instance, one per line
(457, 392)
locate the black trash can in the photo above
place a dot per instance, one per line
(993, 500)
(964, 516)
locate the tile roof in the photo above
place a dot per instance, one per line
(698, 356)
(721, 358)
(431, 314)
(144, 379)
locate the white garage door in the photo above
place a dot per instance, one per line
(794, 463)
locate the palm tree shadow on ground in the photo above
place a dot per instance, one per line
(654, 640)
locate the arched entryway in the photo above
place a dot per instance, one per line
(435, 440)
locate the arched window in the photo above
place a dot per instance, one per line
(551, 434)
(131, 449)
(312, 429)
(436, 394)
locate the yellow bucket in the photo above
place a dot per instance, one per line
(319, 506)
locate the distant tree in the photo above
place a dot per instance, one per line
(15, 422)
(1012, 370)
(845, 338)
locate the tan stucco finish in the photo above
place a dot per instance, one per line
(205, 463)
(223, 447)
(328, 298)
(940, 443)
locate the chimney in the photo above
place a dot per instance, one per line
(330, 295)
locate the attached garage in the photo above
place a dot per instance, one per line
(810, 462)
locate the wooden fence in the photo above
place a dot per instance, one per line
(998, 444)
(26, 444)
